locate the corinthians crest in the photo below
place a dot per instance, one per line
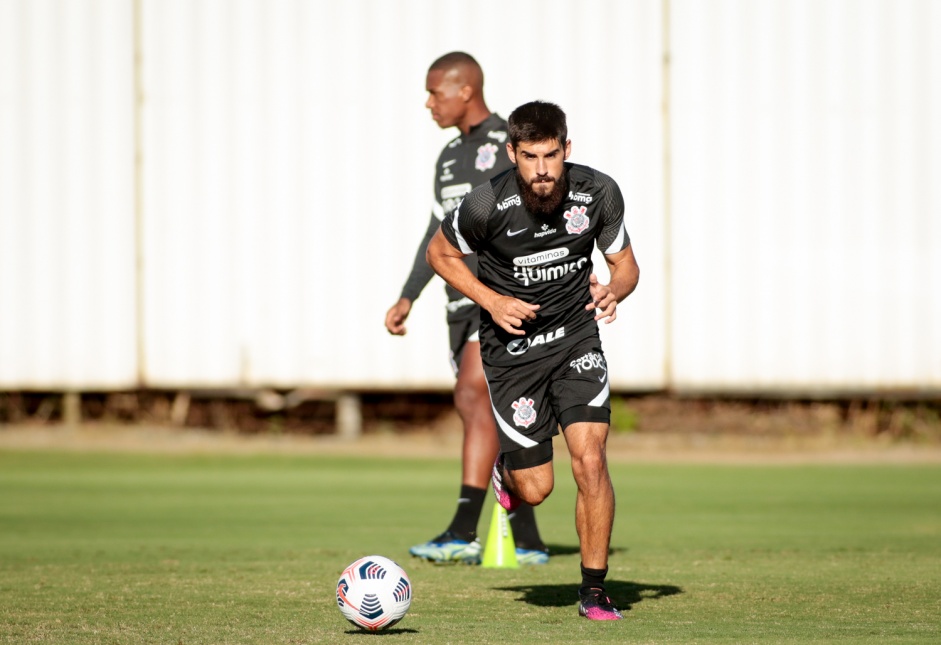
(525, 413)
(486, 157)
(576, 220)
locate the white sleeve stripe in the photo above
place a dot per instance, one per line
(438, 211)
(462, 243)
(618, 241)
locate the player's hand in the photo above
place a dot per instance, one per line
(395, 317)
(602, 298)
(510, 313)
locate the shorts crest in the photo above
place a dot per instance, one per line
(525, 414)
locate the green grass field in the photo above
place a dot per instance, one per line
(247, 549)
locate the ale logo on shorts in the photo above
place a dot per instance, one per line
(525, 413)
(486, 157)
(577, 221)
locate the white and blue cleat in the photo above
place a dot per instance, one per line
(447, 547)
(531, 556)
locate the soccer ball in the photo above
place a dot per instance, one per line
(374, 593)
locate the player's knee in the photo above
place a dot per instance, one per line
(535, 493)
(589, 466)
(470, 399)
(532, 484)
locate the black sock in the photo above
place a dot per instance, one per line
(593, 578)
(525, 531)
(469, 504)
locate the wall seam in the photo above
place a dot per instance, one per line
(667, 203)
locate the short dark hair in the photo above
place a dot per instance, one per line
(454, 59)
(537, 121)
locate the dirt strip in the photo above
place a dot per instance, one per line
(634, 447)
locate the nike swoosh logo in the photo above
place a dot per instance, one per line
(512, 233)
(602, 379)
(463, 500)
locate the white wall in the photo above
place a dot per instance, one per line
(806, 210)
(67, 232)
(289, 167)
(285, 180)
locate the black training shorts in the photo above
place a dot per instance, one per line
(463, 329)
(531, 400)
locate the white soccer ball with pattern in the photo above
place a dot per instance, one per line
(374, 593)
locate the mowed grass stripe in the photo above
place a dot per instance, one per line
(247, 549)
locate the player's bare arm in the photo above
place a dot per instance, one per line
(624, 276)
(509, 313)
(395, 317)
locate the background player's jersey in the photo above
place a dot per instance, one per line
(467, 161)
(544, 261)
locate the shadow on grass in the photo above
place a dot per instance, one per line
(624, 594)
(382, 632)
(572, 549)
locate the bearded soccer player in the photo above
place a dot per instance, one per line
(533, 230)
(455, 85)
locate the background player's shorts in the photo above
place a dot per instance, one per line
(531, 400)
(463, 329)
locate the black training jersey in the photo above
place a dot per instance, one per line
(466, 161)
(543, 261)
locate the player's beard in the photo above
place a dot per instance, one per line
(542, 205)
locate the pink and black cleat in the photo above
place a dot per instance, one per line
(594, 604)
(505, 498)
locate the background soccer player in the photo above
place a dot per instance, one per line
(455, 84)
(533, 230)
